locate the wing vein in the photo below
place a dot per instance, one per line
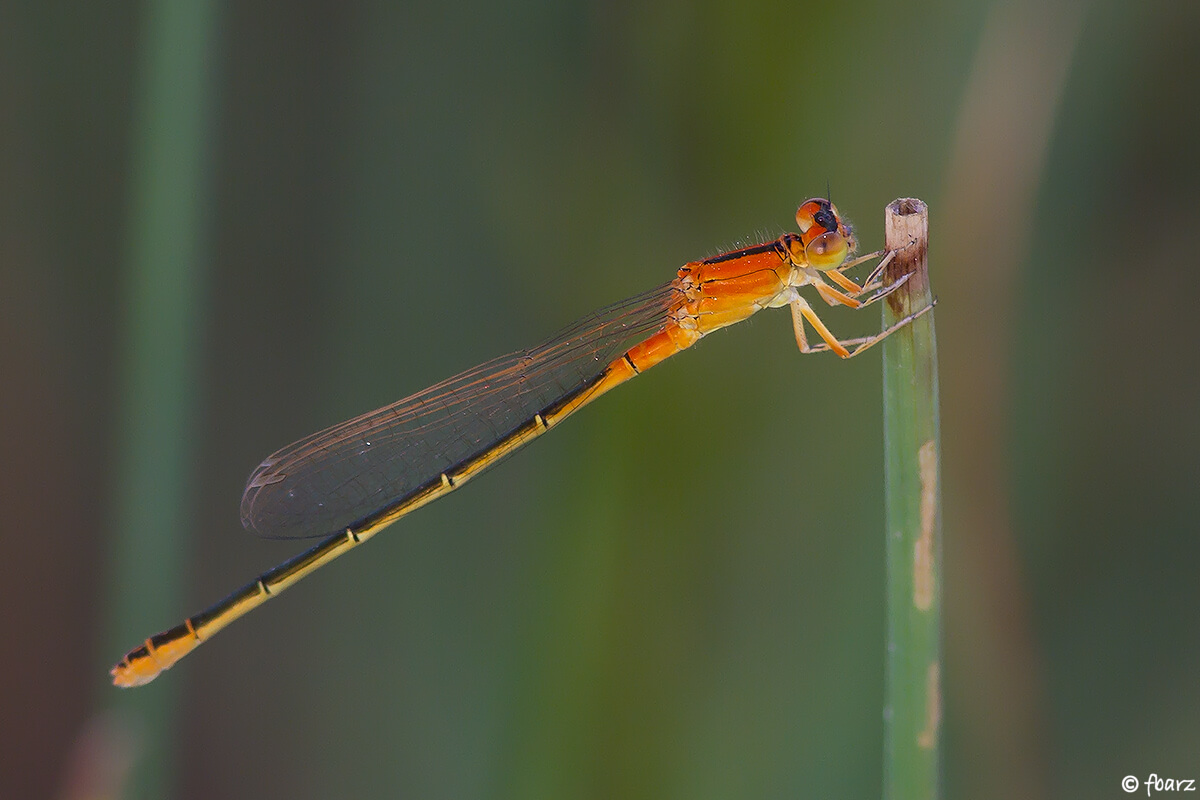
(345, 473)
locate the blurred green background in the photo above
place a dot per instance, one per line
(226, 226)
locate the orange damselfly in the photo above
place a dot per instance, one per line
(350, 481)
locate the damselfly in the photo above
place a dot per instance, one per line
(349, 482)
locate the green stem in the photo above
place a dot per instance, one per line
(161, 300)
(912, 694)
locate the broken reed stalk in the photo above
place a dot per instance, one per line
(912, 693)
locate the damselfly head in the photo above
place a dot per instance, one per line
(827, 238)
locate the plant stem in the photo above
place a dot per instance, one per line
(161, 300)
(912, 694)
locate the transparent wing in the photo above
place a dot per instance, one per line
(333, 479)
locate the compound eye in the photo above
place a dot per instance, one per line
(827, 251)
(808, 212)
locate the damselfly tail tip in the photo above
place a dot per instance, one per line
(157, 654)
(135, 669)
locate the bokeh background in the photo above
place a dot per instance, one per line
(224, 226)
